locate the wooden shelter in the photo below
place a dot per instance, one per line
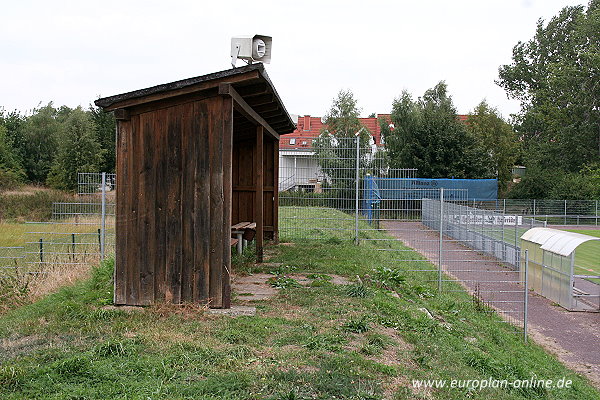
(194, 157)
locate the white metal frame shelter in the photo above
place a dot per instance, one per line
(551, 258)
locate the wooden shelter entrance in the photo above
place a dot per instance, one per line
(194, 157)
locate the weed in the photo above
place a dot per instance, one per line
(420, 291)
(14, 291)
(379, 340)
(478, 302)
(375, 344)
(283, 269)
(358, 325)
(358, 290)
(283, 282)
(388, 278)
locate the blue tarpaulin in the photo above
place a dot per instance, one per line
(415, 188)
(377, 189)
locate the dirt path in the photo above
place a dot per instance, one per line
(573, 336)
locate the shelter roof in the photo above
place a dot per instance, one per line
(251, 82)
(556, 241)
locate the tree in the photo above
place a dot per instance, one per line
(335, 148)
(104, 127)
(556, 76)
(14, 123)
(342, 118)
(11, 172)
(496, 138)
(428, 136)
(41, 132)
(78, 151)
(543, 183)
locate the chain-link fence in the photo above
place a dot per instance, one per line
(553, 212)
(491, 232)
(77, 235)
(326, 190)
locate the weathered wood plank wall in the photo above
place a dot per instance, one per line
(174, 206)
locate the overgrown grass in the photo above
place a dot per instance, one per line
(362, 341)
(30, 204)
(68, 250)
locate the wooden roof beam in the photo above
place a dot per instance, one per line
(260, 100)
(253, 90)
(243, 108)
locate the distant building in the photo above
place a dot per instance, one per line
(298, 168)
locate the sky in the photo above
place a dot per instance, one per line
(73, 52)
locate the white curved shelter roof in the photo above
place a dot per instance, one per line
(556, 241)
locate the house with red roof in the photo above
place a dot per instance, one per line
(298, 168)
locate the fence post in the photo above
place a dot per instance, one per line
(526, 297)
(596, 213)
(103, 222)
(565, 212)
(41, 250)
(357, 187)
(572, 280)
(441, 239)
(73, 247)
(516, 231)
(503, 241)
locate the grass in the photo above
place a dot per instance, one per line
(57, 238)
(30, 203)
(23, 278)
(587, 255)
(367, 340)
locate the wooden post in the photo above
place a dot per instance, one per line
(258, 192)
(276, 191)
(217, 201)
(121, 217)
(227, 115)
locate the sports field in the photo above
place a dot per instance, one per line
(587, 256)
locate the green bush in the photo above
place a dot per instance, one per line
(9, 179)
(541, 183)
